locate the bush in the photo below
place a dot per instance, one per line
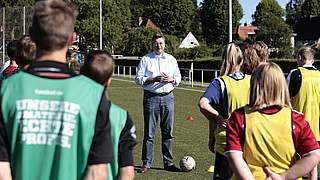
(201, 51)
(172, 44)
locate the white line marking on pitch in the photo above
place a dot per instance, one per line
(187, 89)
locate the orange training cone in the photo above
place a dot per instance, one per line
(189, 118)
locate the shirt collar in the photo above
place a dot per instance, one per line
(237, 75)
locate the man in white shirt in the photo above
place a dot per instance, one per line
(158, 73)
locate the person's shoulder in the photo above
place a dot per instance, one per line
(168, 55)
(88, 81)
(149, 55)
(113, 105)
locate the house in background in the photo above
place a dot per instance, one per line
(246, 31)
(189, 41)
(145, 22)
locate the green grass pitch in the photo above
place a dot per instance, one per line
(190, 136)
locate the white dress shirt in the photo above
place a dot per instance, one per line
(152, 65)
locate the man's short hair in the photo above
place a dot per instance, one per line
(98, 66)
(157, 36)
(26, 51)
(306, 53)
(12, 49)
(53, 23)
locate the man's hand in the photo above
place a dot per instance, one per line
(272, 175)
(157, 79)
(166, 78)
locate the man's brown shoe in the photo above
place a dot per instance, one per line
(144, 169)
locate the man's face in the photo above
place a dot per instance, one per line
(158, 45)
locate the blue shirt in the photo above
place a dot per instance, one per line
(216, 93)
(152, 65)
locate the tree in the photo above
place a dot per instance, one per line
(196, 23)
(273, 29)
(266, 8)
(174, 17)
(310, 8)
(276, 34)
(116, 19)
(214, 20)
(16, 3)
(293, 12)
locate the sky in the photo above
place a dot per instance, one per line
(249, 6)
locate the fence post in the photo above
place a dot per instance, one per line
(118, 70)
(3, 34)
(124, 71)
(215, 73)
(130, 71)
(192, 74)
(202, 77)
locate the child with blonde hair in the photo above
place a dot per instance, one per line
(225, 94)
(264, 136)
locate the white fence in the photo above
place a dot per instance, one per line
(190, 76)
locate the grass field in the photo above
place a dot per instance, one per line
(190, 136)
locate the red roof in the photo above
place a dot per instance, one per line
(151, 25)
(245, 31)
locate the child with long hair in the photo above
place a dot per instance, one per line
(225, 94)
(264, 137)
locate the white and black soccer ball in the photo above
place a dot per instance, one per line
(187, 163)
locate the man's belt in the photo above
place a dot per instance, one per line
(157, 94)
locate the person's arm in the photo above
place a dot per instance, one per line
(126, 173)
(101, 150)
(235, 141)
(96, 172)
(5, 171)
(239, 166)
(300, 168)
(127, 142)
(211, 100)
(175, 79)
(210, 113)
(176, 74)
(294, 81)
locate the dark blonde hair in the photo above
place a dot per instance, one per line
(262, 50)
(250, 60)
(98, 66)
(231, 59)
(52, 24)
(268, 87)
(26, 51)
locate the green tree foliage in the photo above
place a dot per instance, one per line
(311, 8)
(16, 3)
(273, 29)
(196, 22)
(266, 8)
(293, 12)
(172, 16)
(116, 18)
(214, 20)
(276, 34)
(139, 41)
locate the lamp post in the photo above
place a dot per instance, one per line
(230, 20)
(100, 44)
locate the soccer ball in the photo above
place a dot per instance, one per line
(187, 163)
